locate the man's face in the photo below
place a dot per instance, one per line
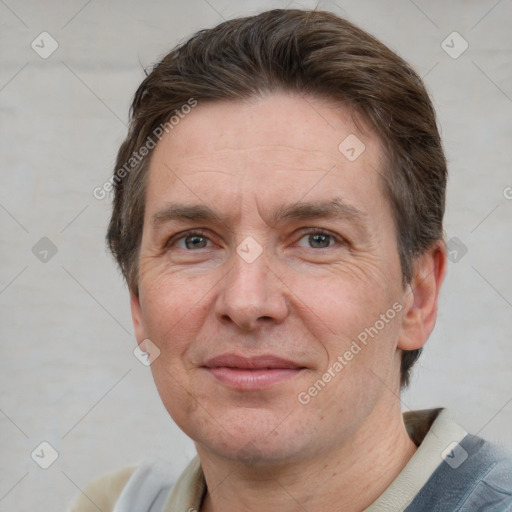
(266, 253)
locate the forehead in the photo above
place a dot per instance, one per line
(276, 149)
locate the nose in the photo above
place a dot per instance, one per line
(251, 295)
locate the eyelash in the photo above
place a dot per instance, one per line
(312, 231)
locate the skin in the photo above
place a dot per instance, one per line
(304, 299)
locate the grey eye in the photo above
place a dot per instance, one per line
(192, 242)
(317, 240)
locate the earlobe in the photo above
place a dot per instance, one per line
(137, 318)
(421, 298)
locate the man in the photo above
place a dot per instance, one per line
(278, 218)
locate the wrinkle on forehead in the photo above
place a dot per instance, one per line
(249, 161)
(252, 152)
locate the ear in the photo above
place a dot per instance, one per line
(137, 318)
(421, 298)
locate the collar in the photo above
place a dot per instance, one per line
(432, 430)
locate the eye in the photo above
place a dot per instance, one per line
(317, 240)
(192, 241)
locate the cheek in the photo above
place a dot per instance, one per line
(341, 301)
(174, 311)
(174, 308)
(353, 319)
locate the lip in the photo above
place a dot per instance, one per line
(251, 373)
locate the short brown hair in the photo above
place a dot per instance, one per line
(314, 53)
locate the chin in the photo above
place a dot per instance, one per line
(256, 453)
(256, 440)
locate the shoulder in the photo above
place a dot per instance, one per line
(103, 492)
(138, 489)
(490, 466)
(475, 475)
(454, 470)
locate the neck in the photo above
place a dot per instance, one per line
(349, 478)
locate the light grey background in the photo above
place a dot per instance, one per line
(68, 374)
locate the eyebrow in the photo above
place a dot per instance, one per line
(178, 212)
(335, 208)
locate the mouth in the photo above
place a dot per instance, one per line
(251, 373)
